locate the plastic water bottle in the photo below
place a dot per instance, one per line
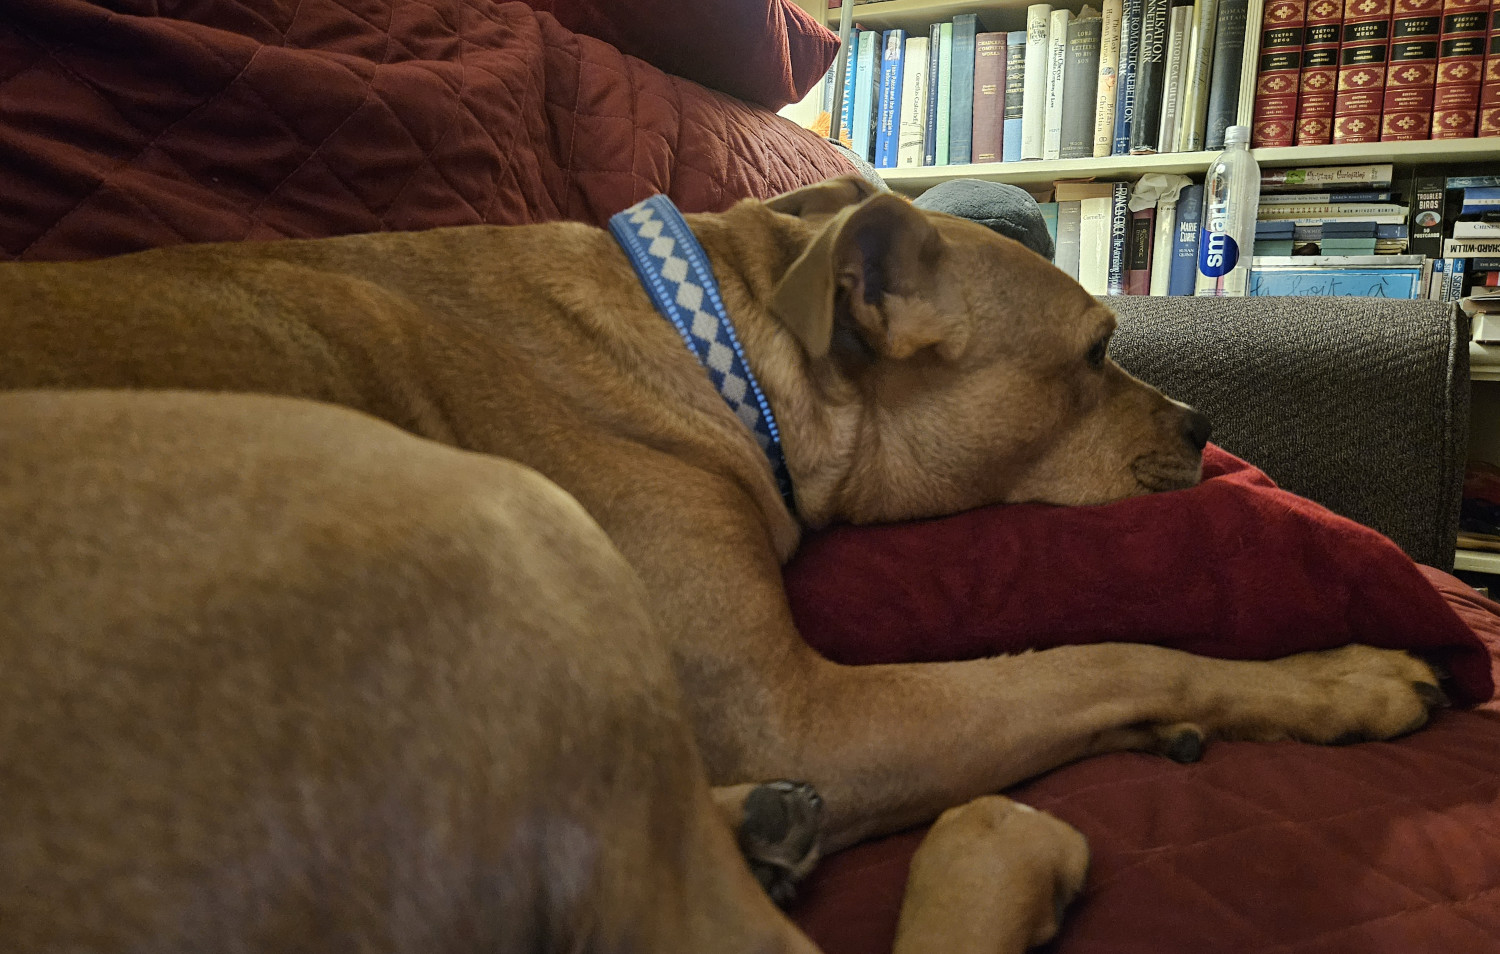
(1231, 195)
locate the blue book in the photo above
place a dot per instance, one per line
(1119, 226)
(1480, 199)
(961, 105)
(1453, 284)
(1130, 41)
(1049, 216)
(888, 129)
(864, 95)
(846, 110)
(1015, 94)
(1473, 182)
(1184, 276)
(934, 56)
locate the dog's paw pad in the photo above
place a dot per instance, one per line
(779, 835)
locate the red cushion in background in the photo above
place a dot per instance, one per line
(1234, 568)
(769, 52)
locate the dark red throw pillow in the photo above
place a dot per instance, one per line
(769, 52)
(1234, 568)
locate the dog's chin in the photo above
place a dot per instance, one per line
(1158, 473)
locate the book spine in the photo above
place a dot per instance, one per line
(929, 131)
(989, 97)
(945, 90)
(913, 127)
(1034, 100)
(961, 106)
(1139, 245)
(1455, 100)
(1015, 94)
(1057, 59)
(1161, 245)
(1150, 76)
(864, 96)
(1184, 273)
(1069, 237)
(1179, 35)
(1080, 84)
(1282, 27)
(1319, 80)
(1108, 79)
(1200, 63)
(1224, 81)
(1119, 236)
(846, 110)
(1373, 176)
(1425, 226)
(1489, 91)
(1363, 48)
(1411, 69)
(1453, 288)
(1130, 43)
(888, 131)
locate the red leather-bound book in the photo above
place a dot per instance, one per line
(1138, 249)
(1320, 72)
(1363, 46)
(1489, 92)
(1410, 70)
(1455, 101)
(1277, 73)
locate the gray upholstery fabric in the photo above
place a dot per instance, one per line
(1359, 404)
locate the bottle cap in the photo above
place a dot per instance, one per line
(1236, 135)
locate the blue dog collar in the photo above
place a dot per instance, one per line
(675, 272)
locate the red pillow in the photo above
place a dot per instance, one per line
(1234, 568)
(765, 51)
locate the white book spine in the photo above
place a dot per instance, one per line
(913, 133)
(1104, 98)
(1194, 107)
(1093, 244)
(1034, 100)
(1355, 211)
(1161, 251)
(1057, 37)
(1178, 26)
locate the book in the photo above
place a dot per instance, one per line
(1476, 230)
(1162, 240)
(1489, 89)
(945, 91)
(1140, 242)
(1179, 35)
(866, 92)
(1455, 99)
(1015, 94)
(1373, 176)
(961, 104)
(1200, 64)
(1477, 200)
(1049, 216)
(1057, 58)
(1470, 248)
(1357, 276)
(1473, 182)
(1224, 79)
(1276, 73)
(1363, 47)
(1411, 68)
(1108, 79)
(888, 129)
(846, 110)
(1150, 76)
(1080, 83)
(1130, 42)
(1095, 218)
(1325, 198)
(989, 97)
(1317, 86)
(912, 135)
(1119, 238)
(1425, 225)
(1184, 271)
(1068, 245)
(1034, 97)
(1453, 281)
(934, 63)
(1353, 211)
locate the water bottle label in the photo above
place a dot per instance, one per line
(1218, 254)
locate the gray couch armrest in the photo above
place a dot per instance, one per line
(1359, 404)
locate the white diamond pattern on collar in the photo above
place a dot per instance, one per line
(675, 272)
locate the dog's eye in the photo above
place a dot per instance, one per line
(1097, 352)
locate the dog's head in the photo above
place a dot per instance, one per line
(964, 369)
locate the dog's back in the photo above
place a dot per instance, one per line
(278, 677)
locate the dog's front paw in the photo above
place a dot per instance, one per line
(1351, 694)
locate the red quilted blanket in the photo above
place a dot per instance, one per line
(126, 124)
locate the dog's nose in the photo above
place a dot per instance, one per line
(1197, 428)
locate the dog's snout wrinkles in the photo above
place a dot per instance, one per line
(1197, 428)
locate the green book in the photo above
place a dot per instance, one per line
(945, 90)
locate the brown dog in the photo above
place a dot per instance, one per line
(918, 365)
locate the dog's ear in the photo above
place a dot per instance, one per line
(823, 198)
(873, 268)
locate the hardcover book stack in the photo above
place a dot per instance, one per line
(1345, 71)
(1470, 246)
